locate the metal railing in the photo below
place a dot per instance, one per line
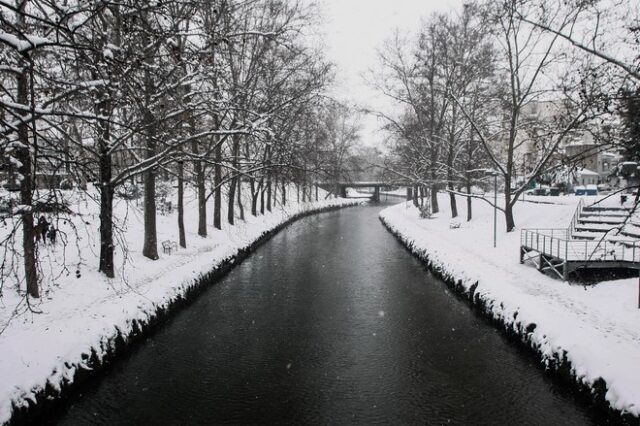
(576, 217)
(559, 244)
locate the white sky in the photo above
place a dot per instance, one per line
(354, 30)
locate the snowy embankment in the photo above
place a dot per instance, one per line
(83, 318)
(592, 330)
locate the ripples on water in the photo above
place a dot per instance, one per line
(331, 322)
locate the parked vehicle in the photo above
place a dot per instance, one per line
(586, 190)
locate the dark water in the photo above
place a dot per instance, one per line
(331, 322)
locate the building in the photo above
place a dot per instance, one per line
(586, 177)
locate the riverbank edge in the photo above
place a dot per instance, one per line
(515, 331)
(49, 400)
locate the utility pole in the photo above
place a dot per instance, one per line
(495, 206)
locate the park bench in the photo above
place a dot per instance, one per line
(168, 246)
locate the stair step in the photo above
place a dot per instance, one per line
(628, 243)
(606, 209)
(621, 240)
(603, 221)
(631, 234)
(625, 238)
(604, 214)
(586, 235)
(593, 228)
(595, 223)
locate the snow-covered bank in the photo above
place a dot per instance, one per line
(83, 321)
(590, 331)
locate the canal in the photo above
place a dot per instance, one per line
(330, 322)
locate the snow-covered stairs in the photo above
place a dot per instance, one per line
(610, 223)
(593, 222)
(598, 236)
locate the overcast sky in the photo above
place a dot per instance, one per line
(355, 29)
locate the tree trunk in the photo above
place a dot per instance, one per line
(231, 201)
(275, 192)
(284, 193)
(240, 206)
(106, 224)
(434, 198)
(508, 207)
(150, 248)
(254, 197)
(26, 193)
(268, 155)
(508, 212)
(217, 182)
(262, 191)
(469, 210)
(452, 196)
(452, 202)
(181, 234)
(198, 169)
(106, 265)
(234, 181)
(268, 191)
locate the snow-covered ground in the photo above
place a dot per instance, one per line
(81, 310)
(595, 327)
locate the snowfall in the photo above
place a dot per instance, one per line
(81, 310)
(595, 326)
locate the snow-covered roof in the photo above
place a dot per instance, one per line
(581, 144)
(587, 172)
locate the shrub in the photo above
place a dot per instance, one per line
(129, 191)
(66, 185)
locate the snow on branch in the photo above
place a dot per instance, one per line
(30, 42)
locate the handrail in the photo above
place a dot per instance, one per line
(559, 244)
(576, 217)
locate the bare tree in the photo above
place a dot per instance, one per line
(527, 57)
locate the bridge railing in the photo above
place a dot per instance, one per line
(355, 184)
